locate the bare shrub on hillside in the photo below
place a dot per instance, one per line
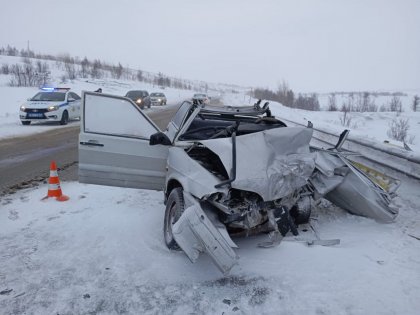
(411, 139)
(25, 75)
(395, 105)
(4, 69)
(117, 71)
(415, 104)
(384, 108)
(372, 107)
(332, 103)
(265, 94)
(140, 76)
(84, 68)
(398, 129)
(96, 72)
(11, 51)
(69, 66)
(307, 102)
(365, 102)
(285, 95)
(41, 67)
(345, 118)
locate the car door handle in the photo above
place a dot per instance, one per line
(96, 144)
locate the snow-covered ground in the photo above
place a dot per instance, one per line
(102, 252)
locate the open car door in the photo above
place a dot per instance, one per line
(114, 145)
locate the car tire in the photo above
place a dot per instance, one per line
(301, 212)
(175, 206)
(26, 123)
(64, 118)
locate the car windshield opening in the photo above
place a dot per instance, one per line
(134, 94)
(49, 96)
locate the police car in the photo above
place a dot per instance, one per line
(51, 104)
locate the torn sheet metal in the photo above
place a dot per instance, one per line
(361, 198)
(195, 233)
(272, 163)
(355, 192)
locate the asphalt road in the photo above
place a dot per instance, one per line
(25, 161)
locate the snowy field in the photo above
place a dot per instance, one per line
(102, 252)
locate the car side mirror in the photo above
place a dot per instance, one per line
(159, 138)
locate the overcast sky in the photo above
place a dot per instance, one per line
(313, 45)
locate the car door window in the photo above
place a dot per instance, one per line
(115, 116)
(74, 96)
(180, 114)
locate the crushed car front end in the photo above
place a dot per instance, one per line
(241, 171)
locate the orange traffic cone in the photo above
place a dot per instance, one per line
(54, 189)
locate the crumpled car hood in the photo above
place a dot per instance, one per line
(272, 163)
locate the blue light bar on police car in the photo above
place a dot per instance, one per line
(47, 88)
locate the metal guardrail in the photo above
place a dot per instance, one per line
(405, 162)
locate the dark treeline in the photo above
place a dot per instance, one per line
(286, 96)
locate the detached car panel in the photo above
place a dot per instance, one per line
(225, 171)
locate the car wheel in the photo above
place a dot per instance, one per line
(64, 118)
(174, 208)
(26, 123)
(301, 212)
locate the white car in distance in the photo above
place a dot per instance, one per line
(201, 98)
(51, 104)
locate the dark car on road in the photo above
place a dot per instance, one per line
(140, 97)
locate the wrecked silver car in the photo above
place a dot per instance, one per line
(224, 171)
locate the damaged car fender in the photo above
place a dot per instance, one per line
(195, 233)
